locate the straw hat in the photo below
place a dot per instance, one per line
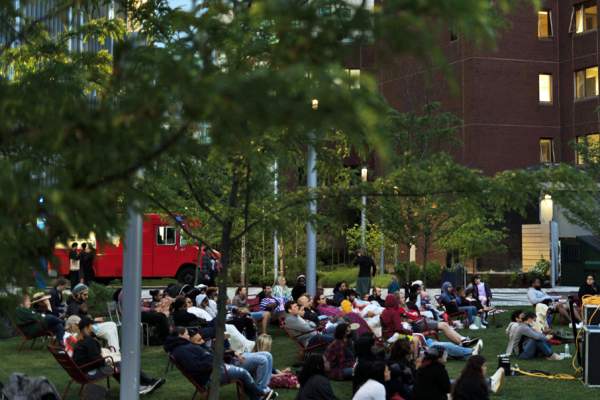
(39, 296)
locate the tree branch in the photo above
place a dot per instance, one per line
(194, 193)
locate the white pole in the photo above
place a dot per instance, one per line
(363, 212)
(311, 232)
(275, 241)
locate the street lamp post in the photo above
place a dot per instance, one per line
(311, 231)
(275, 241)
(363, 211)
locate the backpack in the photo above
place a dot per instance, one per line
(22, 387)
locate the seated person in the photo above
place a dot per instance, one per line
(155, 319)
(212, 293)
(394, 286)
(87, 354)
(161, 301)
(526, 342)
(452, 304)
(270, 303)
(309, 313)
(376, 296)
(304, 331)
(465, 297)
(373, 387)
(33, 323)
(419, 299)
(281, 289)
(181, 317)
(299, 288)
(536, 295)
(339, 293)
(339, 358)
(314, 384)
(56, 297)
(481, 291)
(284, 378)
(191, 353)
(589, 288)
(77, 305)
(240, 301)
(432, 381)
(401, 362)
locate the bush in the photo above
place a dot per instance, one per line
(330, 278)
(541, 269)
(414, 271)
(433, 274)
(383, 281)
(99, 296)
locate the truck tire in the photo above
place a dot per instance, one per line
(185, 274)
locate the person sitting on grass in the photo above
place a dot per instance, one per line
(314, 384)
(432, 381)
(402, 370)
(376, 296)
(472, 383)
(526, 342)
(339, 293)
(339, 358)
(87, 354)
(106, 330)
(284, 378)
(373, 388)
(190, 352)
(304, 331)
(33, 323)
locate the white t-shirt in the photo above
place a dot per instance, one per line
(370, 390)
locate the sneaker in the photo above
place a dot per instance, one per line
(478, 347)
(497, 380)
(144, 390)
(271, 395)
(466, 342)
(157, 383)
(393, 338)
(555, 357)
(473, 327)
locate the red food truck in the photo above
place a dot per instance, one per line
(165, 253)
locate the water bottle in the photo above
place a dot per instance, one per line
(567, 351)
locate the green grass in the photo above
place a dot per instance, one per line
(39, 362)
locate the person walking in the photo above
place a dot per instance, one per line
(366, 270)
(74, 272)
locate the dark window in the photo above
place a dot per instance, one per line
(165, 235)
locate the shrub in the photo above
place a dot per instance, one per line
(541, 268)
(99, 296)
(414, 271)
(330, 278)
(433, 274)
(383, 281)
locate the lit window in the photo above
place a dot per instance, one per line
(546, 150)
(354, 76)
(544, 24)
(165, 235)
(545, 88)
(588, 148)
(586, 83)
(585, 18)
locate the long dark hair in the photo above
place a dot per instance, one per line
(401, 351)
(473, 372)
(313, 365)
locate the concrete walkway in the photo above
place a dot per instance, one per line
(504, 297)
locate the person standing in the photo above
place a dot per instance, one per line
(366, 270)
(86, 263)
(74, 273)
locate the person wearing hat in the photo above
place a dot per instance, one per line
(299, 288)
(33, 323)
(77, 305)
(88, 355)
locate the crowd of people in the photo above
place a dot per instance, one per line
(389, 346)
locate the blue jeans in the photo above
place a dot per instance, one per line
(56, 326)
(534, 348)
(253, 392)
(320, 338)
(260, 366)
(257, 315)
(453, 350)
(471, 312)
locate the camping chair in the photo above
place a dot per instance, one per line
(460, 316)
(303, 350)
(43, 334)
(253, 303)
(203, 390)
(76, 372)
(114, 313)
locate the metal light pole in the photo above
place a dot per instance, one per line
(382, 254)
(311, 231)
(363, 212)
(275, 241)
(132, 286)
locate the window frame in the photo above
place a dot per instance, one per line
(551, 87)
(552, 150)
(550, 25)
(167, 243)
(580, 8)
(583, 71)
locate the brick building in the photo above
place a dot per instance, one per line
(523, 103)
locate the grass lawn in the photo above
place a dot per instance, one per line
(39, 362)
